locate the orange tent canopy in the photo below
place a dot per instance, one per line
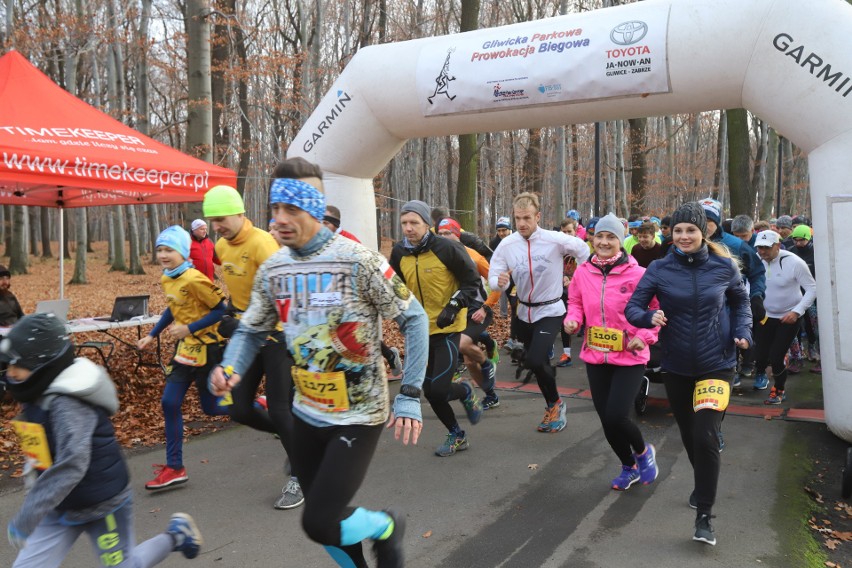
(58, 151)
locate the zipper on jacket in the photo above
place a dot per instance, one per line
(695, 310)
(603, 313)
(417, 277)
(532, 282)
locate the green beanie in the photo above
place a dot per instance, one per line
(801, 232)
(223, 200)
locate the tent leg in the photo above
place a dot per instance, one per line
(61, 253)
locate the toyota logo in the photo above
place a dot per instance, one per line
(628, 33)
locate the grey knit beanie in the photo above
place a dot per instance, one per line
(416, 206)
(611, 224)
(693, 213)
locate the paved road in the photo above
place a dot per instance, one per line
(517, 498)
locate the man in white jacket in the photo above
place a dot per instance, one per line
(532, 258)
(786, 276)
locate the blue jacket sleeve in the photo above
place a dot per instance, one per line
(214, 316)
(755, 272)
(738, 301)
(165, 320)
(636, 311)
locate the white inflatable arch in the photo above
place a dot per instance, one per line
(788, 61)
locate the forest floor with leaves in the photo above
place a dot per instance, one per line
(139, 423)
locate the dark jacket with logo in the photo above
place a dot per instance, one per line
(88, 473)
(434, 271)
(706, 305)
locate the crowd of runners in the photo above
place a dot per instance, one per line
(718, 304)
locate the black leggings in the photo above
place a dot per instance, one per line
(273, 360)
(614, 389)
(538, 338)
(439, 387)
(331, 463)
(772, 340)
(699, 432)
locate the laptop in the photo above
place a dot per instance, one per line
(126, 308)
(59, 308)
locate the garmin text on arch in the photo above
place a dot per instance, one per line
(342, 98)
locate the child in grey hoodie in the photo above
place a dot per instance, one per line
(75, 472)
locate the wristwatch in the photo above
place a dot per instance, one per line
(409, 390)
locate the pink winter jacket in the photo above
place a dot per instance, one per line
(598, 300)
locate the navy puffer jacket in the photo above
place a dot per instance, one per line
(706, 307)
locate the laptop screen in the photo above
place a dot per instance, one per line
(59, 308)
(128, 307)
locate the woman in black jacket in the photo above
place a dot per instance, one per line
(704, 316)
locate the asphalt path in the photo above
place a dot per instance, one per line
(516, 498)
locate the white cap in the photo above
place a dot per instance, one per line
(198, 223)
(767, 239)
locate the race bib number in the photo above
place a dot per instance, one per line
(191, 354)
(711, 394)
(323, 391)
(605, 339)
(34, 443)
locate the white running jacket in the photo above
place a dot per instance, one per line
(536, 265)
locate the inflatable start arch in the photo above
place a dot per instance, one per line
(788, 61)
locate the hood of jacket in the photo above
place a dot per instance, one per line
(88, 382)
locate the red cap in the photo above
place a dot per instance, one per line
(450, 225)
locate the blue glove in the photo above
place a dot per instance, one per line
(17, 539)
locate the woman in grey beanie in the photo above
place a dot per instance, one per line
(704, 315)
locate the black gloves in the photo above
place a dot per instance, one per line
(448, 314)
(758, 312)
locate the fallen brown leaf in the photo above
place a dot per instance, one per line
(427, 534)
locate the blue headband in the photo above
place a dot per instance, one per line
(302, 195)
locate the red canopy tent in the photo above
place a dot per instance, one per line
(58, 151)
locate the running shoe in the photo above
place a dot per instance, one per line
(389, 550)
(747, 371)
(260, 403)
(628, 476)
(186, 535)
(737, 382)
(554, 418)
(550, 353)
(395, 363)
(510, 345)
(775, 397)
(472, 406)
(564, 360)
(704, 530)
(454, 443)
(647, 463)
(794, 367)
(693, 500)
(817, 369)
(165, 476)
(291, 496)
(460, 370)
(490, 401)
(489, 375)
(761, 381)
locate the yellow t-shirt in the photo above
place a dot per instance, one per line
(190, 297)
(241, 257)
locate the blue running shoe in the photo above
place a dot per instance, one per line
(647, 463)
(550, 353)
(454, 443)
(737, 382)
(186, 534)
(629, 476)
(490, 401)
(489, 376)
(761, 381)
(472, 405)
(775, 397)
